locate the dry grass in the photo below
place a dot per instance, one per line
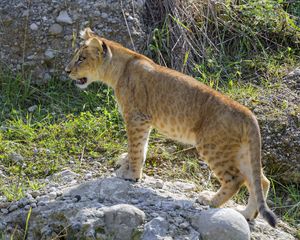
(194, 33)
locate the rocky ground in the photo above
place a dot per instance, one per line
(39, 37)
(79, 207)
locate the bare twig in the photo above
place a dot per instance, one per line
(129, 32)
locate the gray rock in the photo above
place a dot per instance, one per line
(225, 222)
(13, 207)
(186, 187)
(52, 195)
(16, 157)
(34, 27)
(122, 220)
(27, 207)
(114, 189)
(55, 29)
(155, 229)
(64, 17)
(25, 13)
(49, 54)
(32, 108)
(4, 210)
(35, 193)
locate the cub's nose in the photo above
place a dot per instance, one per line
(67, 70)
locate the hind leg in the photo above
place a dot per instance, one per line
(227, 190)
(231, 181)
(220, 157)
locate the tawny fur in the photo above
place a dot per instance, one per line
(225, 133)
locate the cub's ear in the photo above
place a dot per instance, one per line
(86, 33)
(95, 42)
(102, 48)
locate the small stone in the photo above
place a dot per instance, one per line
(52, 195)
(64, 17)
(130, 18)
(186, 187)
(16, 157)
(13, 207)
(184, 225)
(49, 54)
(156, 229)
(4, 211)
(35, 193)
(34, 27)
(27, 207)
(32, 108)
(159, 184)
(41, 203)
(88, 175)
(47, 77)
(104, 15)
(25, 13)
(55, 29)
(33, 205)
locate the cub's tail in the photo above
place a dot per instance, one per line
(255, 152)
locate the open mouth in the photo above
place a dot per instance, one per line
(81, 81)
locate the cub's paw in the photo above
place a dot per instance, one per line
(125, 173)
(205, 197)
(124, 170)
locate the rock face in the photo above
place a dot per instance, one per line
(28, 29)
(112, 208)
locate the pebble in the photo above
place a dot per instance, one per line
(4, 211)
(32, 108)
(35, 193)
(16, 157)
(52, 195)
(13, 207)
(55, 29)
(27, 207)
(34, 27)
(88, 175)
(49, 54)
(33, 205)
(41, 203)
(25, 13)
(104, 15)
(186, 187)
(64, 17)
(159, 184)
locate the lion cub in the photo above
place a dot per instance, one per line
(225, 133)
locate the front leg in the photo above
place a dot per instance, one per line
(138, 131)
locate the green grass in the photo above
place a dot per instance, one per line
(66, 126)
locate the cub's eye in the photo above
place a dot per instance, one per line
(81, 59)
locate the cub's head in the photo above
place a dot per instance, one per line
(85, 67)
